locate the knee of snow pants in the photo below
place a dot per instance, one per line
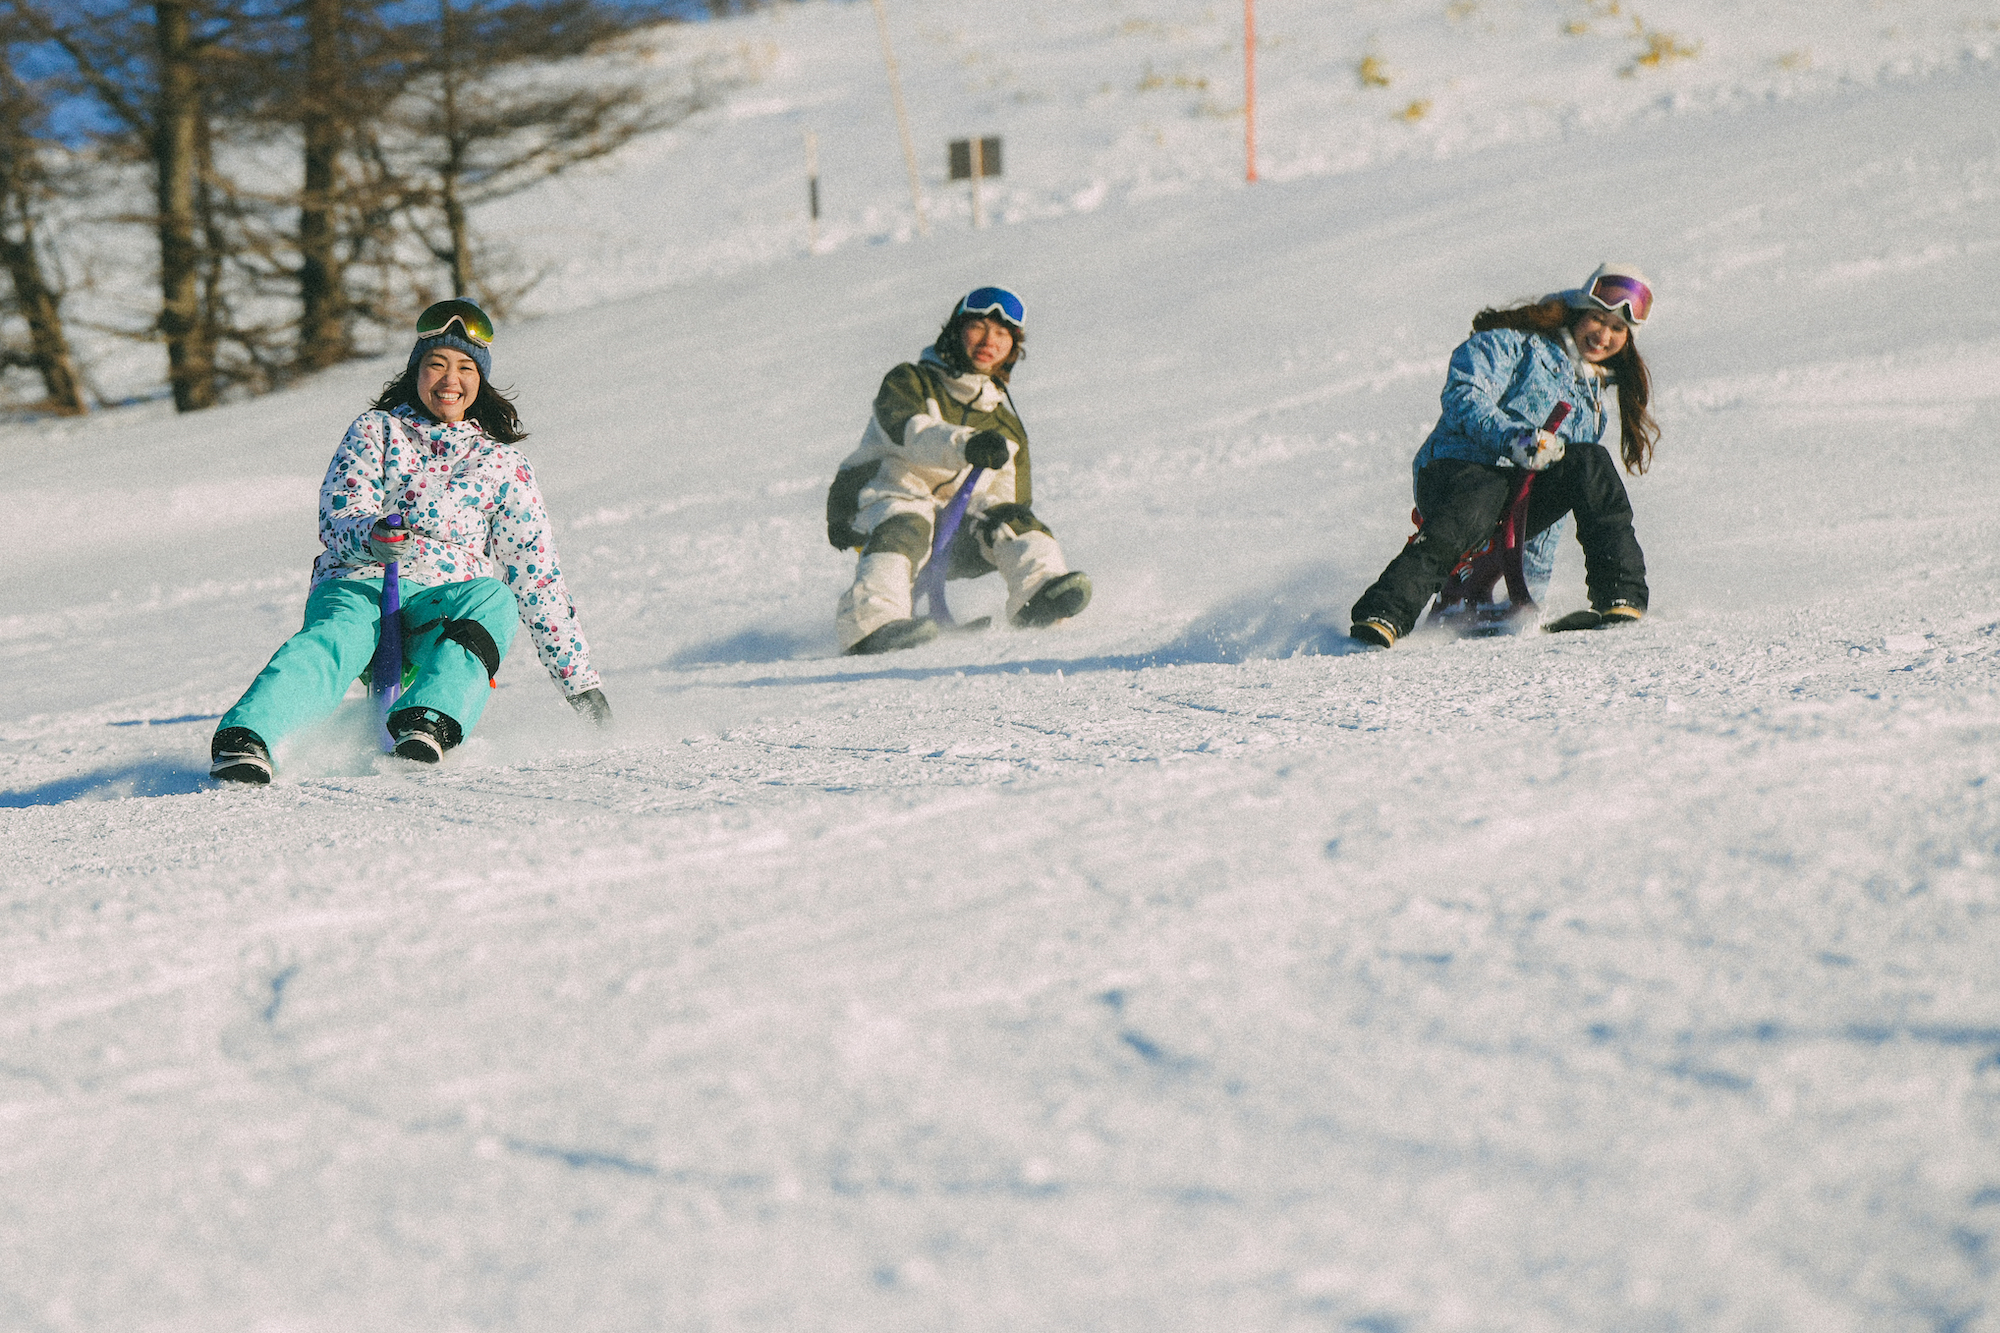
(449, 675)
(879, 594)
(907, 535)
(1460, 502)
(308, 675)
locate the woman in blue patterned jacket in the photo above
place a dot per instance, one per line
(1517, 365)
(438, 450)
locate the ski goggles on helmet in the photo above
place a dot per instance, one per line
(1619, 289)
(994, 302)
(469, 317)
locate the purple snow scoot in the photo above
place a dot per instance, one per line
(385, 672)
(1464, 603)
(930, 583)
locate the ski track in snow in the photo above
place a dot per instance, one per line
(1180, 967)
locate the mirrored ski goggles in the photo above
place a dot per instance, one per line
(989, 301)
(461, 312)
(1614, 290)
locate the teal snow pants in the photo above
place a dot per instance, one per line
(309, 674)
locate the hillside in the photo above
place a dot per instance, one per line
(1177, 967)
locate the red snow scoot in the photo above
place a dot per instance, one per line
(1465, 603)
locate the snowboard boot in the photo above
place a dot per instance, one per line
(1574, 621)
(1374, 633)
(423, 734)
(895, 636)
(1611, 617)
(238, 754)
(1058, 599)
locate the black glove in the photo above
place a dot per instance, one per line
(591, 704)
(988, 449)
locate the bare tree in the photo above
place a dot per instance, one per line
(494, 110)
(403, 122)
(178, 141)
(324, 335)
(144, 68)
(23, 192)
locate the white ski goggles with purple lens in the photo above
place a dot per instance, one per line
(1613, 291)
(995, 302)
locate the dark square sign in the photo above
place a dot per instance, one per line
(961, 158)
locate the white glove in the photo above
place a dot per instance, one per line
(1535, 449)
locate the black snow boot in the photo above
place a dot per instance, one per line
(1058, 599)
(423, 734)
(895, 635)
(238, 754)
(1374, 633)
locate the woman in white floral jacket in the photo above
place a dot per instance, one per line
(438, 449)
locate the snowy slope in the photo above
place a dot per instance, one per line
(1174, 968)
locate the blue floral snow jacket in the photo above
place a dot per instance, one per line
(474, 512)
(1504, 381)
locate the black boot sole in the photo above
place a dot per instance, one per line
(895, 636)
(247, 772)
(1059, 599)
(422, 749)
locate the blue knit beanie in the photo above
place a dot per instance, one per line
(458, 342)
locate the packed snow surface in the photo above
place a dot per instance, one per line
(1176, 968)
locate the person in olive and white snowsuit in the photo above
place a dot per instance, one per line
(475, 557)
(934, 421)
(1504, 380)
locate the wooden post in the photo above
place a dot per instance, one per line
(902, 118)
(812, 193)
(978, 174)
(1250, 91)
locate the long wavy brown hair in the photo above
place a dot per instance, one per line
(1637, 430)
(491, 410)
(951, 347)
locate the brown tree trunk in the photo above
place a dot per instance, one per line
(176, 159)
(212, 246)
(323, 327)
(38, 302)
(41, 307)
(460, 257)
(461, 237)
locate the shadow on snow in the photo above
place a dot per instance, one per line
(158, 777)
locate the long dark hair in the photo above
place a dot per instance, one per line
(950, 346)
(1637, 430)
(491, 410)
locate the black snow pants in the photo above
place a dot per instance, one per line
(1461, 502)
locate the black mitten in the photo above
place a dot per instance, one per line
(987, 449)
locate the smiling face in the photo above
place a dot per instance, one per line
(988, 342)
(1600, 334)
(447, 382)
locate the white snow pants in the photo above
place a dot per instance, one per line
(884, 581)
